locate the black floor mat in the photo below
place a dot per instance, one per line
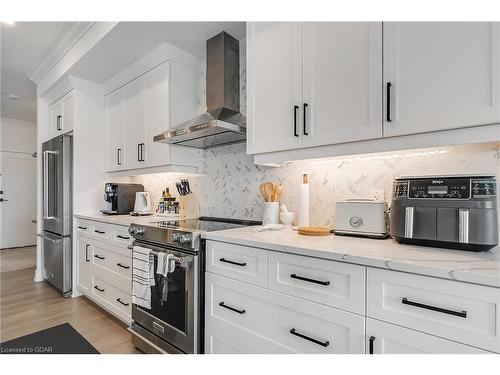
(61, 339)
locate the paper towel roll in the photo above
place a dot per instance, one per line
(304, 205)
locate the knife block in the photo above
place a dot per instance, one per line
(189, 207)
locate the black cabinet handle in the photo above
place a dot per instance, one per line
(233, 262)
(119, 156)
(59, 121)
(122, 266)
(141, 145)
(99, 289)
(294, 276)
(222, 304)
(295, 109)
(319, 342)
(99, 257)
(305, 118)
(461, 314)
(99, 231)
(372, 340)
(388, 93)
(87, 247)
(80, 227)
(123, 237)
(123, 303)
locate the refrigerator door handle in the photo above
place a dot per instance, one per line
(46, 184)
(49, 239)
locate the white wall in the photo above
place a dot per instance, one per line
(17, 136)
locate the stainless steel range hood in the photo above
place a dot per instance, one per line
(222, 124)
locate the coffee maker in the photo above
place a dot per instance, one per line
(120, 198)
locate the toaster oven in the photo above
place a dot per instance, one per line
(456, 212)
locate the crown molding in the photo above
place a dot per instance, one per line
(58, 49)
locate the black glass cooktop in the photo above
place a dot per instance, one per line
(207, 224)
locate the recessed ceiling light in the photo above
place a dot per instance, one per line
(14, 97)
(10, 23)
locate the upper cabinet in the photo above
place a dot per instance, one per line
(62, 115)
(333, 83)
(147, 106)
(311, 84)
(440, 75)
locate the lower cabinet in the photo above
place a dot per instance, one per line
(279, 323)
(104, 268)
(218, 341)
(385, 338)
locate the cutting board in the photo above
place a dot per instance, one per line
(314, 231)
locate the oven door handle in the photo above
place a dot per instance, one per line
(177, 259)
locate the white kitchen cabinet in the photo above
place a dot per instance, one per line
(148, 105)
(274, 84)
(342, 79)
(442, 75)
(62, 116)
(218, 341)
(83, 264)
(312, 84)
(385, 338)
(115, 130)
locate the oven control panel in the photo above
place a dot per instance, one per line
(445, 188)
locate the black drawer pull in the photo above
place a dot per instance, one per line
(99, 289)
(295, 109)
(99, 231)
(294, 276)
(122, 266)
(222, 304)
(305, 119)
(462, 314)
(388, 100)
(123, 237)
(123, 303)
(322, 343)
(233, 262)
(372, 340)
(87, 248)
(99, 257)
(80, 227)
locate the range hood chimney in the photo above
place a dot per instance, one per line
(222, 124)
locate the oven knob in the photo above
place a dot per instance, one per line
(175, 237)
(185, 238)
(131, 230)
(356, 222)
(139, 230)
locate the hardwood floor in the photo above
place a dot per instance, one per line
(27, 307)
(17, 258)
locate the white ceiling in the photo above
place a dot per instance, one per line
(23, 45)
(129, 41)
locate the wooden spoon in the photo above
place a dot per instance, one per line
(277, 193)
(262, 188)
(269, 191)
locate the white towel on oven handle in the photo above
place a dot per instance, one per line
(166, 264)
(142, 276)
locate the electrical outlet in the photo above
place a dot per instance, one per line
(378, 195)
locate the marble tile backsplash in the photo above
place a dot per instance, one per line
(229, 182)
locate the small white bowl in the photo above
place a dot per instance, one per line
(287, 218)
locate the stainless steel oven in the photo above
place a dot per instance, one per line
(173, 323)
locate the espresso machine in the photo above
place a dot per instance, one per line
(119, 199)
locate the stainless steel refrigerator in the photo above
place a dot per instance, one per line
(57, 212)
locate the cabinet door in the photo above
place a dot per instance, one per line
(135, 123)
(342, 82)
(67, 114)
(385, 338)
(157, 82)
(56, 122)
(84, 265)
(443, 75)
(274, 79)
(115, 131)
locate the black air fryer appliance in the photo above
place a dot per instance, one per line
(456, 212)
(119, 199)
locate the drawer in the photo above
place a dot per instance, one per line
(112, 298)
(218, 341)
(458, 311)
(112, 259)
(100, 231)
(331, 283)
(121, 235)
(83, 227)
(279, 323)
(238, 262)
(385, 338)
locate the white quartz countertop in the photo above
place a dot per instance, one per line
(125, 220)
(472, 267)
